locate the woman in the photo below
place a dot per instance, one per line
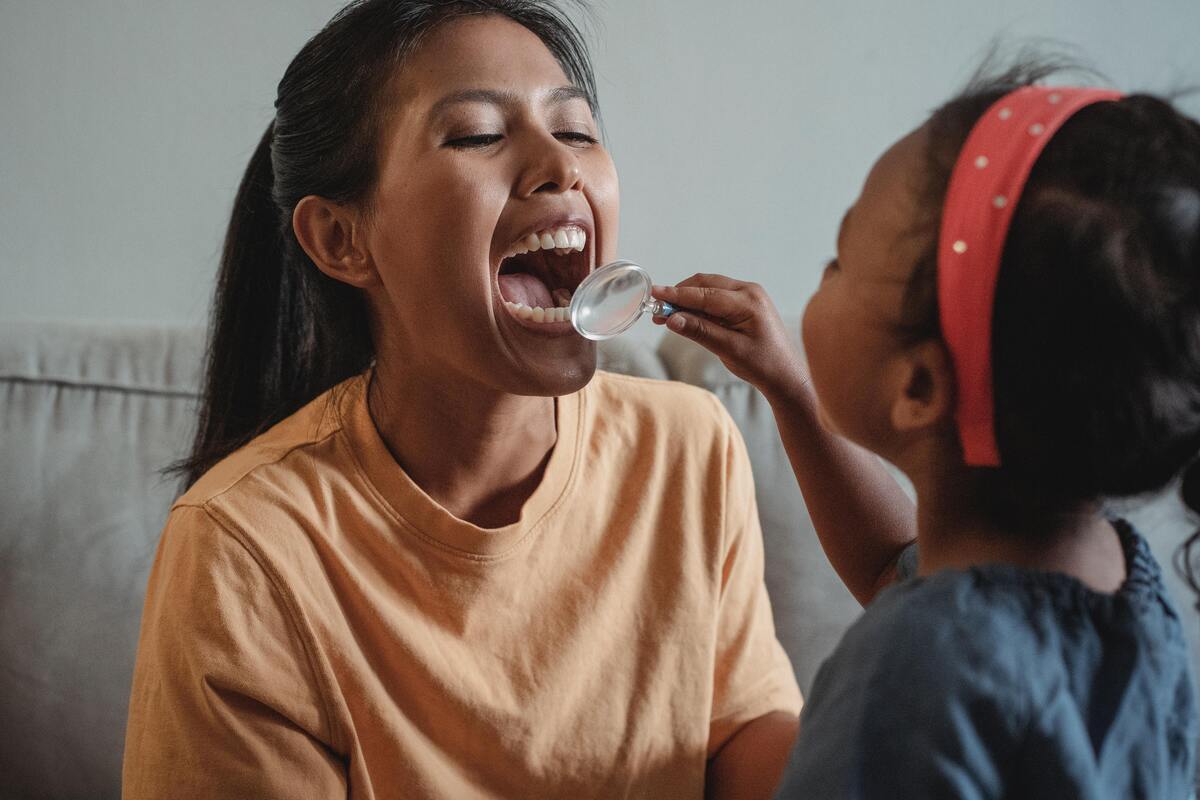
(426, 550)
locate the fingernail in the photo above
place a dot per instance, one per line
(676, 322)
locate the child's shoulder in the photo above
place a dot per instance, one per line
(948, 631)
(923, 680)
(1007, 631)
(973, 665)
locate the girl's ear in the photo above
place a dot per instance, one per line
(332, 235)
(926, 391)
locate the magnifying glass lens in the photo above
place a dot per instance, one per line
(611, 299)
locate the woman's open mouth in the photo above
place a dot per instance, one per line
(539, 274)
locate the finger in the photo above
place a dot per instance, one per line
(691, 312)
(704, 332)
(724, 304)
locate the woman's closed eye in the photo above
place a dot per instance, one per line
(580, 138)
(473, 142)
(481, 140)
(831, 267)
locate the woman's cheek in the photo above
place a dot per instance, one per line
(604, 196)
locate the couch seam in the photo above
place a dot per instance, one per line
(99, 386)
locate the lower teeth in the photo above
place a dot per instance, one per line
(522, 311)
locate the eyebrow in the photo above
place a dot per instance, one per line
(563, 94)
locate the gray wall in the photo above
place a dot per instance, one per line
(741, 131)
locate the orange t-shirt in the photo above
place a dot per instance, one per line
(316, 626)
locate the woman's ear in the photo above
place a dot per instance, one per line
(926, 391)
(332, 235)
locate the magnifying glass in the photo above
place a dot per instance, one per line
(611, 299)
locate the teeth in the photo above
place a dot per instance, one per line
(543, 315)
(562, 297)
(560, 240)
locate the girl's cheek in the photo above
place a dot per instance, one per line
(809, 323)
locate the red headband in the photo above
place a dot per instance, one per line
(985, 187)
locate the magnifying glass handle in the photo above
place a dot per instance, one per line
(658, 308)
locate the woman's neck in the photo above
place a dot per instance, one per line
(478, 453)
(953, 534)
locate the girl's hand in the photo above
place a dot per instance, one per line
(740, 325)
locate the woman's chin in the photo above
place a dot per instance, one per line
(554, 376)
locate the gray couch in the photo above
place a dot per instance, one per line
(89, 415)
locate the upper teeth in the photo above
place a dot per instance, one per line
(561, 240)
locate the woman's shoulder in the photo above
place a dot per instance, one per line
(677, 423)
(277, 460)
(664, 402)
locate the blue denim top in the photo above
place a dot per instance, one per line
(1002, 682)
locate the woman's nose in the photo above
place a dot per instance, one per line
(553, 167)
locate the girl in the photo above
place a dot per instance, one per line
(1013, 319)
(419, 556)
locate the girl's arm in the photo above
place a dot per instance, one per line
(750, 765)
(863, 518)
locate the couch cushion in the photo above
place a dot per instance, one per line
(88, 418)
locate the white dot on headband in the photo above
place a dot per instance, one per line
(999, 201)
(981, 162)
(960, 247)
(1037, 129)
(1055, 98)
(1005, 113)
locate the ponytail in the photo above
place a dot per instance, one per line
(281, 331)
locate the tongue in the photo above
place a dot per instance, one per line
(521, 287)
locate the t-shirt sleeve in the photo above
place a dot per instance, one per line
(753, 675)
(225, 702)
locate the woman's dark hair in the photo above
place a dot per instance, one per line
(1096, 329)
(281, 331)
